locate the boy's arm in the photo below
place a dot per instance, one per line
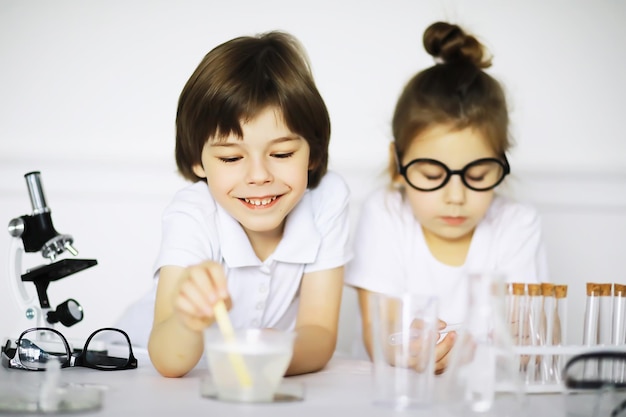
(365, 319)
(182, 311)
(317, 321)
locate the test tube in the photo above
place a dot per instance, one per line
(514, 318)
(545, 328)
(592, 310)
(547, 291)
(560, 325)
(517, 299)
(590, 331)
(618, 334)
(508, 302)
(560, 315)
(605, 314)
(605, 322)
(535, 303)
(618, 331)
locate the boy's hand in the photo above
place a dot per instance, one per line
(200, 287)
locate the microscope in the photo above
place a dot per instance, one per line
(35, 233)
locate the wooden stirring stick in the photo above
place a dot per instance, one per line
(223, 322)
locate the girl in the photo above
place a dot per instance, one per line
(264, 227)
(441, 217)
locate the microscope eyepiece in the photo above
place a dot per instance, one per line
(36, 230)
(35, 191)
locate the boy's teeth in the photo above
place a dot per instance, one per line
(262, 202)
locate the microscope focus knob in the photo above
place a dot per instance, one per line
(68, 313)
(17, 227)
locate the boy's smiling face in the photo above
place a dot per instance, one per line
(257, 179)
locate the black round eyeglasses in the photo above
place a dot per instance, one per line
(483, 174)
(106, 349)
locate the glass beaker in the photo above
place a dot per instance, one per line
(483, 360)
(404, 333)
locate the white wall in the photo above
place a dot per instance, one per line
(88, 94)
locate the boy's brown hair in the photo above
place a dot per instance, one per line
(236, 81)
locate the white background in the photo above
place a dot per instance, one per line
(88, 94)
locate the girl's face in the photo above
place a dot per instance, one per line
(258, 179)
(452, 212)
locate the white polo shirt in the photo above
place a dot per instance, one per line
(391, 255)
(265, 294)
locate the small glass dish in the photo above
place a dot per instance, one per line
(287, 392)
(69, 399)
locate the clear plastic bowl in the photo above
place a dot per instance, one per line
(251, 367)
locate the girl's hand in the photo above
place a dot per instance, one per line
(200, 288)
(442, 350)
(418, 338)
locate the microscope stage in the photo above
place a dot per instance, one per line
(58, 270)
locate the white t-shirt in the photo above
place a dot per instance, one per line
(391, 255)
(265, 294)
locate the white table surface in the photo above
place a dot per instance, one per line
(343, 388)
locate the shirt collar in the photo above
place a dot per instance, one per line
(300, 243)
(236, 248)
(301, 239)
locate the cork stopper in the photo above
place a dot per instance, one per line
(547, 289)
(593, 289)
(606, 290)
(560, 291)
(534, 289)
(619, 290)
(518, 288)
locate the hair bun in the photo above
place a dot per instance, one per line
(449, 44)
